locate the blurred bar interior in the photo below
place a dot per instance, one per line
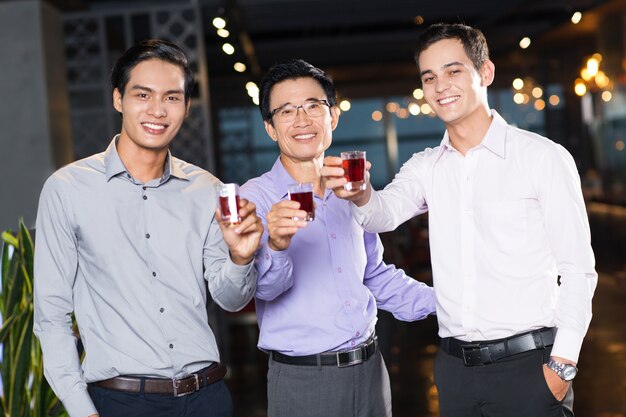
(560, 72)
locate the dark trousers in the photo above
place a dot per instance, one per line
(511, 387)
(211, 401)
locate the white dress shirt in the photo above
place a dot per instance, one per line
(504, 222)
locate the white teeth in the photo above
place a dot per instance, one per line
(153, 126)
(307, 136)
(448, 100)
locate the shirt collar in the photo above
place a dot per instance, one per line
(494, 140)
(114, 165)
(282, 179)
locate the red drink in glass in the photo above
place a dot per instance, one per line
(303, 194)
(353, 163)
(229, 203)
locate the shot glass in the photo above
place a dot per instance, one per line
(353, 163)
(303, 194)
(229, 203)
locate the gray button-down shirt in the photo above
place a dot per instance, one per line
(130, 260)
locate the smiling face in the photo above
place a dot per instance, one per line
(453, 87)
(153, 106)
(305, 138)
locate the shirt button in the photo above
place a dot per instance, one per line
(147, 235)
(334, 236)
(171, 346)
(162, 310)
(358, 334)
(153, 274)
(339, 270)
(144, 187)
(267, 256)
(347, 303)
(145, 197)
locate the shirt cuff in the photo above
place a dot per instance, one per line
(567, 344)
(79, 404)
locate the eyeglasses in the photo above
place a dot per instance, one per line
(289, 112)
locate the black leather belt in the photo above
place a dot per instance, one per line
(483, 353)
(174, 387)
(342, 358)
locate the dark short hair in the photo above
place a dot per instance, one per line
(150, 49)
(291, 70)
(473, 41)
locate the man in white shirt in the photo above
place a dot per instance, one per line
(506, 218)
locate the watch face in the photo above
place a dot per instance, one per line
(569, 372)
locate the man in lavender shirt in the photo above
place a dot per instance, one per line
(320, 283)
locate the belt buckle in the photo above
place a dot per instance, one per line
(358, 358)
(176, 386)
(471, 360)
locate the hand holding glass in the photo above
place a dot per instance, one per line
(229, 203)
(303, 194)
(353, 163)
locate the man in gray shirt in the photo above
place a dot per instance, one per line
(127, 240)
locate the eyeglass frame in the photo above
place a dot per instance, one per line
(301, 106)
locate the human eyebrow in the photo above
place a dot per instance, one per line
(142, 88)
(453, 64)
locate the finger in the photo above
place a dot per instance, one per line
(332, 172)
(335, 183)
(331, 160)
(285, 213)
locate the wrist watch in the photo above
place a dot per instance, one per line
(565, 371)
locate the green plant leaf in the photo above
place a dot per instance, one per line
(21, 369)
(10, 239)
(26, 243)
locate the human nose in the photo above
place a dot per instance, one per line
(441, 85)
(301, 116)
(157, 109)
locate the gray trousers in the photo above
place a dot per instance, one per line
(361, 390)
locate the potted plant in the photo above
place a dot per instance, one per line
(25, 391)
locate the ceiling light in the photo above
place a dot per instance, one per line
(228, 49)
(540, 105)
(219, 23)
(607, 96)
(537, 92)
(593, 64)
(579, 87)
(377, 116)
(392, 107)
(414, 109)
(418, 93)
(344, 105)
(425, 108)
(554, 100)
(576, 17)
(525, 42)
(518, 83)
(223, 33)
(239, 67)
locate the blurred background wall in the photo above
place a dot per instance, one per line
(560, 71)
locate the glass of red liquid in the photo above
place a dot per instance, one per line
(303, 194)
(229, 203)
(353, 163)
